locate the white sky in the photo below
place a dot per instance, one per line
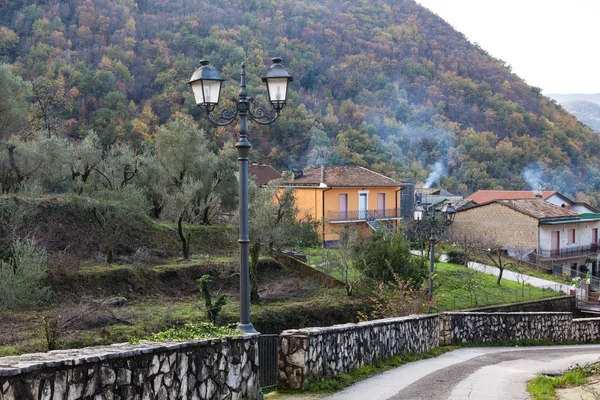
(552, 44)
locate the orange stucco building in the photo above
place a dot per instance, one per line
(340, 196)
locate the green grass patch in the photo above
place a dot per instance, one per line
(543, 387)
(341, 381)
(459, 288)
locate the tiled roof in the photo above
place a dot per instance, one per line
(340, 177)
(536, 208)
(263, 174)
(483, 196)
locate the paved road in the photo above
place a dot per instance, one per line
(494, 373)
(513, 276)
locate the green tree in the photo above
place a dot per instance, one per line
(51, 103)
(13, 102)
(383, 255)
(198, 181)
(22, 276)
(115, 211)
(274, 222)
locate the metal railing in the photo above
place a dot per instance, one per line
(559, 270)
(566, 252)
(267, 360)
(363, 215)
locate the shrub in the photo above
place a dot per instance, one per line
(457, 257)
(382, 256)
(212, 309)
(22, 276)
(196, 331)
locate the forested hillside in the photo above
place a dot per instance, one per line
(384, 84)
(586, 111)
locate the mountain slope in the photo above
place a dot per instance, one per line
(561, 98)
(586, 111)
(384, 84)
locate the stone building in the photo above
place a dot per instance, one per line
(534, 230)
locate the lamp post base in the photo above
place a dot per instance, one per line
(247, 328)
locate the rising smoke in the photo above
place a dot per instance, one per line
(533, 174)
(435, 174)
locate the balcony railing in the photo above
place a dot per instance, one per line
(567, 252)
(363, 215)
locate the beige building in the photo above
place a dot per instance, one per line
(345, 197)
(536, 230)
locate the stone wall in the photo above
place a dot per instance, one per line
(508, 226)
(307, 354)
(586, 330)
(210, 369)
(477, 327)
(474, 327)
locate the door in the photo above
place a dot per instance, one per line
(343, 206)
(381, 205)
(555, 245)
(362, 206)
(594, 239)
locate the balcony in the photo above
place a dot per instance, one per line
(571, 252)
(363, 215)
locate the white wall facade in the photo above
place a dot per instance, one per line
(583, 239)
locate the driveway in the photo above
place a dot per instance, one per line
(495, 373)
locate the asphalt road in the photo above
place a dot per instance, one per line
(495, 373)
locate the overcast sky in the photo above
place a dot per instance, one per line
(552, 44)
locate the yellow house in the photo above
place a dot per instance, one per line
(342, 196)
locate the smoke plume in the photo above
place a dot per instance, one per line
(435, 174)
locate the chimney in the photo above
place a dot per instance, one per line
(337, 171)
(298, 173)
(322, 174)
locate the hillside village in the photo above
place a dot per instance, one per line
(334, 187)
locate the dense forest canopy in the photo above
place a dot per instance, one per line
(384, 84)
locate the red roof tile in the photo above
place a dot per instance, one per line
(263, 174)
(536, 208)
(483, 196)
(340, 177)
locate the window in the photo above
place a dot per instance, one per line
(571, 236)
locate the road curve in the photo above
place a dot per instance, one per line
(495, 373)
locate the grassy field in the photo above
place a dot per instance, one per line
(455, 287)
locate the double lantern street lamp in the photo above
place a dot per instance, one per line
(434, 225)
(206, 85)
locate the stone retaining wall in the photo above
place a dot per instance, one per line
(476, 327)
(308, 354)
(209, 369)
(586, 330)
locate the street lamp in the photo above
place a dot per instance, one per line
(206, 85)
(430, 222)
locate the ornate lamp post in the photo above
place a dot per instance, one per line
(434, 225)
(206, 85)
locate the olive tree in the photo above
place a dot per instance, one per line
(197, 179)
(274, 222)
